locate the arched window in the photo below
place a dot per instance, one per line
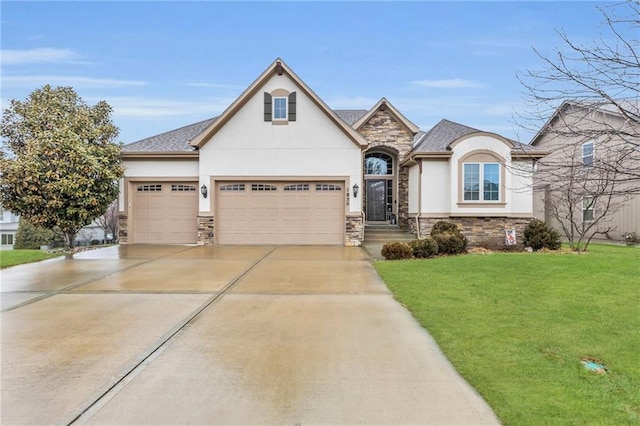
(378, 163)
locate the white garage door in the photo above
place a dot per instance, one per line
(165, 213)
(280, 213)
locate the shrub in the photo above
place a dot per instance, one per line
(397, 251)
(450, 243)
(442, 226)
(31, 237)
(538, 235)
(424, 248)
(448, 237)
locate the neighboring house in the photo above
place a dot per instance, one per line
(577, 136)
(8, 228)
(9, 223)
(278, 166)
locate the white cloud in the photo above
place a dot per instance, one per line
(451, 83)
(67, 80)
(38, 55)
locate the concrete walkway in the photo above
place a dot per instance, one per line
(219, 335)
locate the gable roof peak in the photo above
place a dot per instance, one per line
(277, 67)
(383, 105)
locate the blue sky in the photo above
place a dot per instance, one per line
(162, 65)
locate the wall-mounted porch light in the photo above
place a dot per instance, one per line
(355, 190)
(203, 190)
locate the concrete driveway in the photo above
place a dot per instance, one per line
(219, 335)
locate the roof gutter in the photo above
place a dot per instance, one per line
(159, 155)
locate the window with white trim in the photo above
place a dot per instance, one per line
(587, 154)
(279, 108)
(587, 209)
(476, 173)
(7, 239)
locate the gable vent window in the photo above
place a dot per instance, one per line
(281, 107)
(263, 187)
(327, 187)
(149, 188)
(232, 187)
(297, 187)
(183, 188)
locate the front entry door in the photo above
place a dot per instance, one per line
(376, 200)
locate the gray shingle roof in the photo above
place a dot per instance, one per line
(172, 141)
(435, 140)
(350, 116)
(178, 140)
(440, 136)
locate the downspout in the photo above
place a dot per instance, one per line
(419, 199)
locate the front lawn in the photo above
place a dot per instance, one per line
(18, 257)
(517, 325)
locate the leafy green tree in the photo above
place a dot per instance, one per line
(59, 163)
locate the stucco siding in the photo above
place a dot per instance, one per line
(414, 178)
(312, 145)
(436, 189)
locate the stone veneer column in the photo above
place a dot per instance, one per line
(383, 130)
(123, 230)
(206, 230)
(354, 231)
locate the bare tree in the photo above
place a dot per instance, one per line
(108, 222)
(591, 92)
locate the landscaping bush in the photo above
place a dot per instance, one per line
(448, 237)
(424, 248)
(538, 235)
(31, 237)
(450, 243)
(443, 226)
(396, 251)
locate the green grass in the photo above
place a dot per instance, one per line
(18, 257)
(516, 326)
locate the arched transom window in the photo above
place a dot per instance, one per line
(378, 163)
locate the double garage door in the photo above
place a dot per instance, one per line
(280, 213)
(165, 213)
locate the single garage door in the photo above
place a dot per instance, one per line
(280, 213)
(165, 213)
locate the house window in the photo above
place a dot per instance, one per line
(263, 187)
(587, 154)
(488, 174)
(587, 209)
(183, 188)
(327, 187)
(297, 187)
(149, 188)
(7, 239)
(232, 187)
(378, 164)
(279, 108)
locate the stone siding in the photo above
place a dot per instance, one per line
(383, 130)
(206, 230)
(123, 230)
(480, 231)
(354, 231)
